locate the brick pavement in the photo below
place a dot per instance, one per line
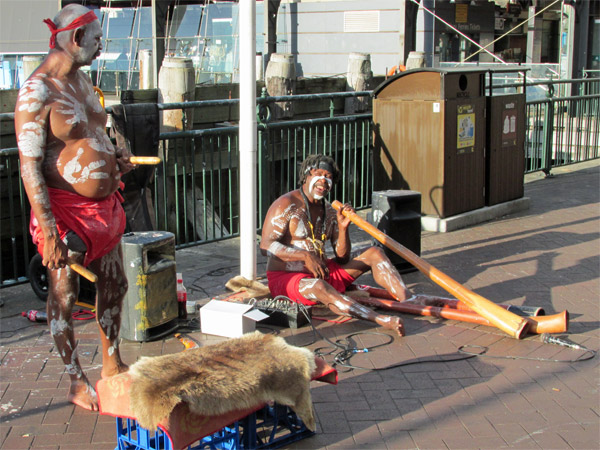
(545, 256)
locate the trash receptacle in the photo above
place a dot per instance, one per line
(150, 305)
(430, 137)
(505, 155)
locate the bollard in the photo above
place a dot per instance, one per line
(280, 79)
(358, 78)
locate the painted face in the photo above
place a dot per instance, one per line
(91, 44)
(319, 183)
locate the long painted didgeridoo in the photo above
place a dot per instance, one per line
(557, 323)
(82, 271)
(523, 311)
(508, 322)
(151, 160)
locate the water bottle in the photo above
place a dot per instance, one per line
(181, 297)
(35, 316)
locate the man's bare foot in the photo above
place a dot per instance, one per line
(82, 394)
(112, 370)
(391, 323)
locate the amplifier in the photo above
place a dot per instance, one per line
(397, 213)
(282, 312)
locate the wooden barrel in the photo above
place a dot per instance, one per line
(358, 78)
(280, 79)
(176, 83)
(146, 64)
(415, 60)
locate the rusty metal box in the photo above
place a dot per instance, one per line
(150, 305)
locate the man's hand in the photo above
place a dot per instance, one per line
(316, 266)
(343, 221)
(123, 161)
(55, 252)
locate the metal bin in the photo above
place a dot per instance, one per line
(150, 305)
(430, 137)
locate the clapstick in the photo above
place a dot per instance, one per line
(83, 271)
(147, 160)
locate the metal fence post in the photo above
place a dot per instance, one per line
(548, 132)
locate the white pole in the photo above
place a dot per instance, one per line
(247, 138)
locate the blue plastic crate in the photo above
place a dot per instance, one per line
(268, 428)
(272, 427)
(130, 435)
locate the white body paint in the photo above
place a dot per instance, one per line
(87, 172)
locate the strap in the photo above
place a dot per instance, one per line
(86, 18)
(305, 198)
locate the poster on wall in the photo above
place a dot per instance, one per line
(466, 129)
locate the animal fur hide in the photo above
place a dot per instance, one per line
(235, 374)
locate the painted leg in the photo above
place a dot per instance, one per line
(62, 294)
(321, 291)
(384, 273)
(110, 291)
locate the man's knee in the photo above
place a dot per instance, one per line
(374, 254)
(310, 288)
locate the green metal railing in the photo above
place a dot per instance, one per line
(195, 190)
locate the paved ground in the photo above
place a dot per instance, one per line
(546, 256)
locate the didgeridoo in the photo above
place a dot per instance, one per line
(508, 322)
(151, 160)
(523, 311)
(83, 271)
(556, 323)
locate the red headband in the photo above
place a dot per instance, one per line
(88, 17)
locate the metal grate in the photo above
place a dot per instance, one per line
(361, 21)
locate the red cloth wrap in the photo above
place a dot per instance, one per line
(86, 18)
(99, 223)
(286, 283)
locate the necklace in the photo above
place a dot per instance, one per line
(318, 244)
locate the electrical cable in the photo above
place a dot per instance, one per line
(347, 348)
(482, 353)
(82, 314)
(344, 349)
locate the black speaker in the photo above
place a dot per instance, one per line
(397, 213)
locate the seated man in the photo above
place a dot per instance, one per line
(294, 233)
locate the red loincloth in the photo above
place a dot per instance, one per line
(286, 283)
(99, 223)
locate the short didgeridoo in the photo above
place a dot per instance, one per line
(556, 323)
(499, 317)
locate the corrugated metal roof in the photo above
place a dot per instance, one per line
(21, 27)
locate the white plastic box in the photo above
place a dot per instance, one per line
(229, 319)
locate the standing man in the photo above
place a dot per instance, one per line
(71, 173)
(294, 233)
